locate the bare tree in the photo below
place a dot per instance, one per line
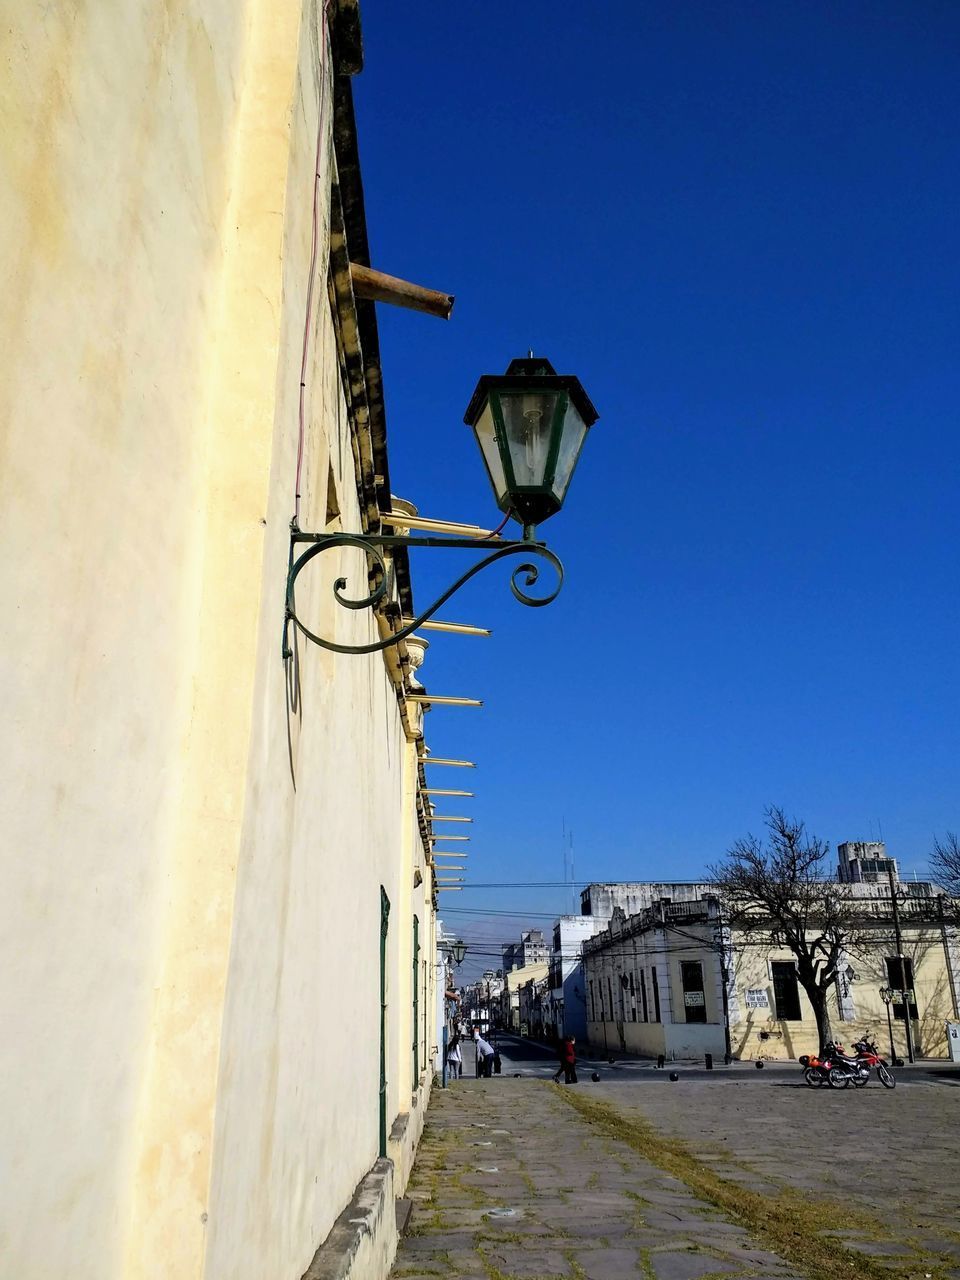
(945, 863)
(778, 890)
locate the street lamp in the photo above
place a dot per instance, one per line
(456, 951)
(530, 424)
(887, 995)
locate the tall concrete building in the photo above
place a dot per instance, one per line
(531, 949)
(602, 899)
(865, 862)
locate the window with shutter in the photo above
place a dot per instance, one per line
(694, 1001)
(897, 973)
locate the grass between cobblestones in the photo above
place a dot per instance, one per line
(791, 1225)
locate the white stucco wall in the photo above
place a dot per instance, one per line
(116, 133)
(655, 949)
(191, 918)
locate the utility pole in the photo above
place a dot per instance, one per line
(721, 945)
(904, 990)
(945, 938)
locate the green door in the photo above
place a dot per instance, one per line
(416, 1001)
(384, 923)
(426, 1008)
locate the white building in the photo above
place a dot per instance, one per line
(653, 981)
(865, 862)
(532, 948)
(602, 899)
(568, 1004)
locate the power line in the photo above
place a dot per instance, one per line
(566, 884)
(513, 915)
(488, 949)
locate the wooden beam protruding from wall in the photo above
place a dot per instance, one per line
(376, 286)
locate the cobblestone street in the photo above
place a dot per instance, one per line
(511, 1181)
(891, 1153)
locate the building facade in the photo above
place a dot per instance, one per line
(219, 929)
(601, 900)
(531, 949)
(653, 981)
(675, 979)
(564, 1007)
(534, 998)
(568, 1001)
(482, 999)
(865, 862)
(511, 1017)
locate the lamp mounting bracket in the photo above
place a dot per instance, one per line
(304, 547)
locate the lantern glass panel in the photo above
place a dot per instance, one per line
(528, 425)
(487, 440)
(573, 434)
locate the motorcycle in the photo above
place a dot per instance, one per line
(838, 1069)
(816, 1068)
(848, 1069)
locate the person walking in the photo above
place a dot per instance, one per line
(567, 1053)
(484, 1055)
(454, 1058)
(561, 1050)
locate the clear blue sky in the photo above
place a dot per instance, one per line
(738, 224)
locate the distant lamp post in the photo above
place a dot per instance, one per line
(530, 423)
(887, 995)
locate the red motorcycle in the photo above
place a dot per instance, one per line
(838, 1069)
(848, 1069)
(816, 1068)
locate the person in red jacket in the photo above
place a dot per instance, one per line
(567, 1054)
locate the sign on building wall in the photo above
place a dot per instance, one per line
(756, 998)
(693, 998)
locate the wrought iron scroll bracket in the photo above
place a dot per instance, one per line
(374, 545)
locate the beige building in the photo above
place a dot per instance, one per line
(218, 906)
(534, 1004)
(770, 1015)
(510, 1012)
(673, 979)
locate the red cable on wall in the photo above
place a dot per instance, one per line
(313, 260)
